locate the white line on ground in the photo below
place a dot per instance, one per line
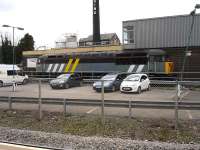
(91, 110)
(194, 127)
(5, 146)
(189, 115)
(173, 96)
(185, 94)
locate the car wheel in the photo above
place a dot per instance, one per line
(113, 88)
(1, 83)
(139, 90)
(25, 81)
(66, 85)
(149, 88)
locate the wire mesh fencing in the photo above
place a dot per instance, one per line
(160, 99)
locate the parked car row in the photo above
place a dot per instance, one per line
(111, 82)
(131, 83)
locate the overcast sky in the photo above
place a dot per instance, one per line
(47, 20)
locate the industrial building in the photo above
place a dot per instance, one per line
(106, 39)
(170, 34)
(69, 40)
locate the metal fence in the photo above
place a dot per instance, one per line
(176, 96)
(191, 76)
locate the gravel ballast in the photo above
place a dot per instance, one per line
(88, 143)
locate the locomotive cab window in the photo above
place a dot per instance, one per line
(156, 58)
(130, 58)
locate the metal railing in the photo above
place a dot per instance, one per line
(192, 76)
(176, 105)
(191, 105)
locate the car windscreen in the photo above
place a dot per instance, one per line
(132, 78)
(65, 76)
(109, 77)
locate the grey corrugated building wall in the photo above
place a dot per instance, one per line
(161, 32)
(167, 33)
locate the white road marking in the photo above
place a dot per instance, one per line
(185, 94)
(91, 110)
(194, 127)
(182, 95)
(189, 115)
(173, 96)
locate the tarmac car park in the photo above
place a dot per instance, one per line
(86, 92)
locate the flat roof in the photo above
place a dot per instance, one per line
(164, 17)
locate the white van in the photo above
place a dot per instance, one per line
(8, 76)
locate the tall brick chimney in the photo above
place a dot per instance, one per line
(96, 23)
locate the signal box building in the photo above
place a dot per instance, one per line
(170, 34)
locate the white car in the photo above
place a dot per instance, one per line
(135, 83)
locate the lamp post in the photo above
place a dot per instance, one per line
(187, 52)
(13, 56)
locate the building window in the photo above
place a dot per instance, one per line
(128, 32)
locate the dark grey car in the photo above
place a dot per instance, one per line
(66, 81)
(112, 82)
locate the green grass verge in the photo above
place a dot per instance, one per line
(84, 125)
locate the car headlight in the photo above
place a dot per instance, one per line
(61, 82)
